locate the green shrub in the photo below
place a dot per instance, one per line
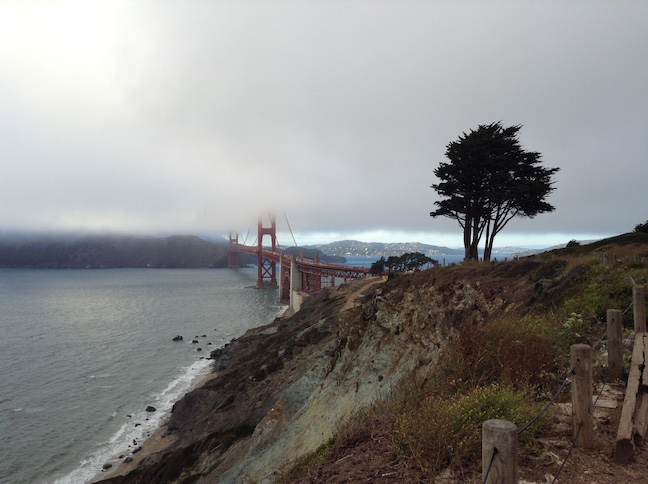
(446, 431)
(604, 288)
(571, 331)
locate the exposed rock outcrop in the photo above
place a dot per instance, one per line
(282, 390)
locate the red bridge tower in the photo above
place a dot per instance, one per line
(267, 268)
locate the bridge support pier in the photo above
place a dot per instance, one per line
(296, 285)
(284, 279)
(267, 268)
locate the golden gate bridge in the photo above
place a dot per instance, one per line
(296, 274)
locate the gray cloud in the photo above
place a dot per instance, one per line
(196, 116)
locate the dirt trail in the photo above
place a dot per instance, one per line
(370, 282)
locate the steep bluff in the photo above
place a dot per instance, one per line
(282, 390)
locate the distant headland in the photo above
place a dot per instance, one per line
(176, 251)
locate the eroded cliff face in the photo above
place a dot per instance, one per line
(283, 390)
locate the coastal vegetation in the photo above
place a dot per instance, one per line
(505, 367)
(393, 379)
(410, 261)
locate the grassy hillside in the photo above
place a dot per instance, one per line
(390, 381)
(506, 365)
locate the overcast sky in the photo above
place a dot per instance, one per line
(194, 117)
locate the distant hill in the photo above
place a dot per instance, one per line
(312, 253)
(178, 251)
(380, 249)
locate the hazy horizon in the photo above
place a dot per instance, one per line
(195, 117)
(284, 240)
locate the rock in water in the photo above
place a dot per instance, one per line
(178, 338)
(150, 408)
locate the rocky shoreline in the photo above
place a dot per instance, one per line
(261, 382)
(159, 441)
(282, 390)
(283, 393)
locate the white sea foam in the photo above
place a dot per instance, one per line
(138, 428)
(69, 408)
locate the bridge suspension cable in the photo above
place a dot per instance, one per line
(247, 235)
(289, 228)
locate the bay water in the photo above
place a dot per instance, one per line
(442, 259)
(83, 353)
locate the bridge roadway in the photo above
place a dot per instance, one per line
(308, 266)
(298, 276)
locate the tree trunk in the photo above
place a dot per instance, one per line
(488, 251)
(488, 248)
(467, 239)
(467, 245)
(474, 254)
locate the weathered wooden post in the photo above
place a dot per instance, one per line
(615, 344)
(629, 426)
(499, 452)
(639, 303)
(582, 414)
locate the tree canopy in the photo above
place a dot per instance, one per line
(489, 180)
(406, 262)
(642, 227)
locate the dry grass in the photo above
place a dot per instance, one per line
(506, 366)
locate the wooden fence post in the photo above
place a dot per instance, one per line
(582, 414)
(615, 344)
(639, 302)
(629, 426)
(499, 452)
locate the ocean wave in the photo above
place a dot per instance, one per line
(138, 426)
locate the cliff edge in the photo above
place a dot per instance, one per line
(283, 392)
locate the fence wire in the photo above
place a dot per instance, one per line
(580, 425)
(573, 444)
(567, 380)
(546, 407)
(489, 465)
(604, 335)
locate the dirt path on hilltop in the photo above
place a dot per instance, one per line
(370, 282)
